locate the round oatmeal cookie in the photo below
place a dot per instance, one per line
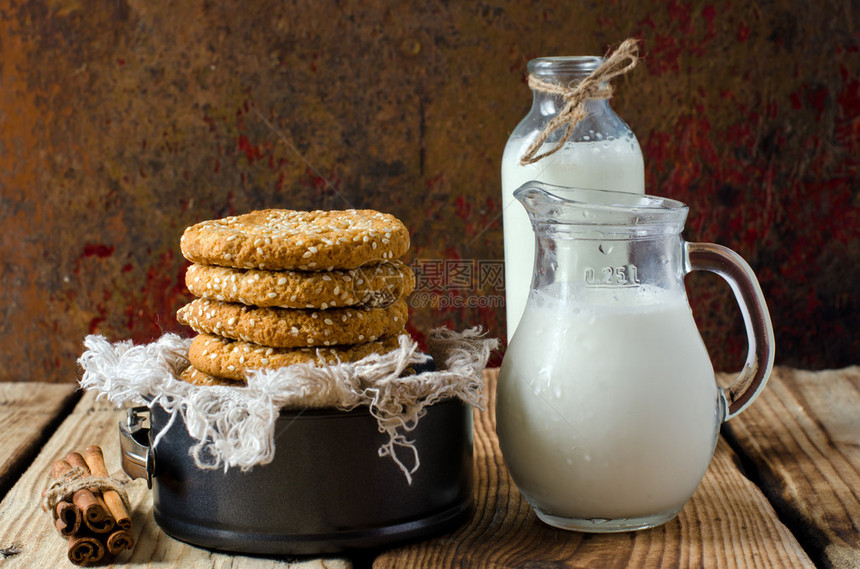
(233, 359)
(293, 328)
(193, 375)
(282, 239)
(379, 284)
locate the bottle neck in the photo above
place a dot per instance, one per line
(564, 72)
(546, 104)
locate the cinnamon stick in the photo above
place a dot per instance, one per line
(85, 550)
(94, 511)
(67, 516)
(95, 459)
(118, 541)
(77, 459)
(60, 468)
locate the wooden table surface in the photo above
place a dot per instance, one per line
(782, 491)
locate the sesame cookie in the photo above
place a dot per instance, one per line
(379, 284)
(232, 359)
(280, 239)
(196, 377)
(292, 328)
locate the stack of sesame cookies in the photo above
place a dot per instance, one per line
(279, 287)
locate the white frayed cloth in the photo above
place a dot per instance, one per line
(235, 426)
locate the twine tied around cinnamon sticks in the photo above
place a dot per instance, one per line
(88, 507)
(595, 86)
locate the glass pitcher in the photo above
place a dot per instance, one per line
(607, 408)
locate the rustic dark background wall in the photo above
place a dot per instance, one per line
(125, 121)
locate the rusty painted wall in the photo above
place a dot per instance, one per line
(124, 121)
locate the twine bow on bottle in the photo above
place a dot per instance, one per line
(595, 86)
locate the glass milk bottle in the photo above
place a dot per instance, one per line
(601, 153)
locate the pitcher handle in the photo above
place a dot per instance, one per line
(759, 363)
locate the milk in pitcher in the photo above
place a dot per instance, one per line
(607, 410)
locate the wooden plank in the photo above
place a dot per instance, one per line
(25, 528)
(28, 411)
(728, 523)
(803, 437)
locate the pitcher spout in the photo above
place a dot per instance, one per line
(538, 200)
